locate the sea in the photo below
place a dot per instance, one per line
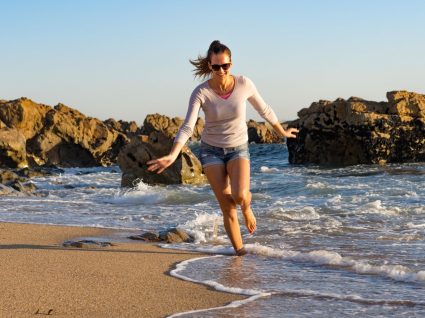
(330, 241)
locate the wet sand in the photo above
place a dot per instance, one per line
(40, 277)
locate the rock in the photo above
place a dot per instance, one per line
(127, 128)
(169, 126)
(12, 148)
(147, 236)
(133, 157)
(171, 235)
(175, 235)
(356, 131)
(86, 244)
(262, 133)
(39, 172)
(12, 183)
(5, 190)
(8, 176)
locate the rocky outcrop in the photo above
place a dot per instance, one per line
(69, 138)
(357, 131)
(133, 157)
(38, 135)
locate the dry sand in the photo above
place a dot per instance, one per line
(38, 276)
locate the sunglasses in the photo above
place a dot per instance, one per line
(225, 66)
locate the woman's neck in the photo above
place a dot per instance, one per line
(222, 84)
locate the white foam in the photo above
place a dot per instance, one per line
(376, 207)
(253, 293)
(415, 226)
(142, 193)
(306, 213)
(204, 227)
(265, 169)
(317, 185)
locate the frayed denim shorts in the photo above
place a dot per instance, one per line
(211, 155)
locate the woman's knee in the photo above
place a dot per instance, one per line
(242, 197)
(227, 203)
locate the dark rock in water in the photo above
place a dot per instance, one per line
(68, 186)
(175, 235)
(86, 244)
(39, 172)
(5, 190)
(12, 182)
(356, 131)
(133, 157)
(172, 235)
(27, 188)
(8, 176)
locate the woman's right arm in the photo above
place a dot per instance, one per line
(183, 134)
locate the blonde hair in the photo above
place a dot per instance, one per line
(201, 63)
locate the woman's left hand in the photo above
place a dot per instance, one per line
(291, 133)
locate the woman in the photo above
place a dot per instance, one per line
(224, 151)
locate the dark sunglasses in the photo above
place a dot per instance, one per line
(224, 66)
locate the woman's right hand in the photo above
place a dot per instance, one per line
(160, 164)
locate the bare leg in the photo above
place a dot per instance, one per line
(239, 173)
(219, 181)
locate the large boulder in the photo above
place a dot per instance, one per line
(133, 157)
(12, 148)
(357, 131)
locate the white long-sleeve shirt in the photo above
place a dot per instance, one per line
(225, 119)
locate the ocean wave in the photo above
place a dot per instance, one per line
(322, 257)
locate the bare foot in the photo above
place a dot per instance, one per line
(250, 221)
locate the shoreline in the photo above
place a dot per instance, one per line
(128, 279)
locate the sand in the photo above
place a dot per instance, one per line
(39, 277)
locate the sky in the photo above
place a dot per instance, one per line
(126, 59)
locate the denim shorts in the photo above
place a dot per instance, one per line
(211, 155)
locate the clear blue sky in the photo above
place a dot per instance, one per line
(125, 59)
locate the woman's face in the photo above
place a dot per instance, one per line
(220, 59)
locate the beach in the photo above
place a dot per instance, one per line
(41, 277)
